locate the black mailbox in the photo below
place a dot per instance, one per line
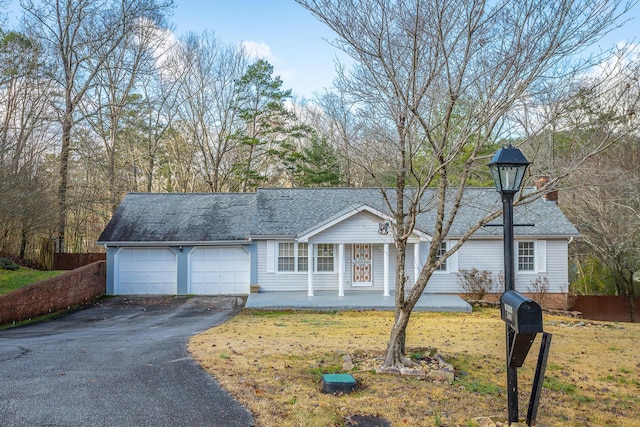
(524, 318)
(523, 315)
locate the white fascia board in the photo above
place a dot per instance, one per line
(518, 237)
(175, 243)
(272, 237)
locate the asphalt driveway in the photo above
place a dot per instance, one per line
(120, 362)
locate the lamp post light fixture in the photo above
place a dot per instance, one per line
(508, 167)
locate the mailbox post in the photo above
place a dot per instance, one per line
(508, 167)
(522, 316)
(523, 319)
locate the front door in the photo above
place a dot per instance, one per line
(362, 270)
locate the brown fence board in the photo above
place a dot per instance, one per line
(64, 261)
(605, 307)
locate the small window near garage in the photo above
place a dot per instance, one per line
(303, 257)
(441, 251)
(324, 257)
(286, 256)
(293, 257)
(526, 256)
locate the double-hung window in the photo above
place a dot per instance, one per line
(303, 257)
(526, 256)
(286, 256)
(324, 257)
(293, 257)
(439, 254)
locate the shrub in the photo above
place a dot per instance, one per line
(7, 264)
(539, 290)
(476, 283)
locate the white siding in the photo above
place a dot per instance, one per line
(360, 228)
(557, 266)
(481, 254)
(322, 281)
(277, 282)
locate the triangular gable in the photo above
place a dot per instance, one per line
(349, 213)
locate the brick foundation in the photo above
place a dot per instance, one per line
(551, 301)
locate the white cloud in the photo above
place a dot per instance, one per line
(259, 50)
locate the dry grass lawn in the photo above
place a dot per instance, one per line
(272, 362)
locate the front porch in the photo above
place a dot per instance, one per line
(328, 300)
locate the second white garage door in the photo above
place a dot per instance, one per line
(218, 271)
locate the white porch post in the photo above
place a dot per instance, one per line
(310, 276)
(341, 270)
(386, 270)
(416, 262)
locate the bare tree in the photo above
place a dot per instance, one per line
(207, 112)
(439, 80)
(114, 95)
(601, 193)
(26, 137)
(79, 37)
(339, 121)
(605, 191)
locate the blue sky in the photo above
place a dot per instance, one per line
(294, 41)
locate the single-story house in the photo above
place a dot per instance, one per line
(314, 239)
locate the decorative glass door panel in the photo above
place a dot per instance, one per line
(362, 270)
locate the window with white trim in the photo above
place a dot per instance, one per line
(286, 256)
(293, 257)
(526, 256)
(303, 257)
(440, 253)
(324, 257)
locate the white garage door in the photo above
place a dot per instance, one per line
(146, 271)
(219, 271)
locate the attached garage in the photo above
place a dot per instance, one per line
(146, 271)
(219, 271)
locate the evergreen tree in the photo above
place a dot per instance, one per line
(319, 164)
(261, 105)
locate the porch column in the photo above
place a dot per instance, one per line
(416, 262)
(310, 274)
(341, 270)
(386, 270)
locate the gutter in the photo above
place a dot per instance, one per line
(175, 243)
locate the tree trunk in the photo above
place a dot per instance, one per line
(23, 243)
(632, 297)
(150, 165)
(395, 356)
(65, 152)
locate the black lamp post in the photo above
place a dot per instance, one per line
(508, 168)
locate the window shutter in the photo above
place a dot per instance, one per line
(271, 256)
(541, 256)
(452, 262)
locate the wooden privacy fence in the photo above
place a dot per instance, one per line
(606, 308)
(63, 261)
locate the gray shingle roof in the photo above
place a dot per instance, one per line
(208, 217)
(181, 217)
